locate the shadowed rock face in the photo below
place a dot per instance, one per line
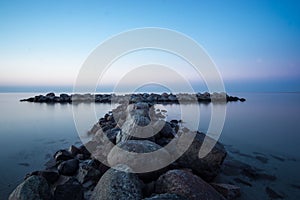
(184, 183)
(209, 166)
(116, 185)
(34, 187)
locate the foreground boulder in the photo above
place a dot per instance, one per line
(34, 187)
(209, 166)
(118, 184)
(186, 184)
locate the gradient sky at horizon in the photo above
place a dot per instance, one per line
(255, 44)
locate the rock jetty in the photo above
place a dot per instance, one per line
(138, 128)
(133, 98)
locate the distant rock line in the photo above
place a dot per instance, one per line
(134, 98)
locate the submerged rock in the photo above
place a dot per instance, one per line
(34, 187)
(227, 190)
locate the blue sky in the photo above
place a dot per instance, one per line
(255, 44)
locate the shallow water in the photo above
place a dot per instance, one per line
(267, 123)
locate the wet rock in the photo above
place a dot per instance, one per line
(253, 174)
(69, 167)
(63, 155)
(209, 166)
(262, 159)
(166, 196)
(238, 180)
(112, 134)
(118, 184)
(278, 158)
(72, 190)
(272, 194)
(34, 187)
(186, 184)
(51, 94)
(50, 176)
(88, 173)
(227, 190)
(167, 131)
(74, 150)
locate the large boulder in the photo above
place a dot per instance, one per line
(118, 183)
(207, 167)
(34, 187)
(184, 183)
(142, 156)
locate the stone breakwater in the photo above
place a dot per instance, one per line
(133, 98)
(138, 128)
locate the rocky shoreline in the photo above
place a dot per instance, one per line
(77, 173)
(134, 98)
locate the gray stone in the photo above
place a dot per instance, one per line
(69, 167)
(209, 166)
(118, 184)
(34, 187)
(186, 184)
(136, 155)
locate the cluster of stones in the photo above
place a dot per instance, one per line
(134, 98)
(78, 174)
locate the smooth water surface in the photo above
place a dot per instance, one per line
(268, 123)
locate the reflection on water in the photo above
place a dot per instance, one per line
(31, 132)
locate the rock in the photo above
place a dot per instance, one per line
(166, 196)
(272, 194)
(50, 176)
(34, 187)
(88, 173)
(209, 166)
(117, 185)
(253, 174)
(74, 150)
(71, 190)
(262, 159)
(63, 155)
(51, 94)
(135, 154)
(227, 190)
(167, 131)
(238, 180)
(186, 184)
(69, 167)
(112, 134)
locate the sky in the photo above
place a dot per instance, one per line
(254, 44)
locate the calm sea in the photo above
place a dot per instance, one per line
(268, 123)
